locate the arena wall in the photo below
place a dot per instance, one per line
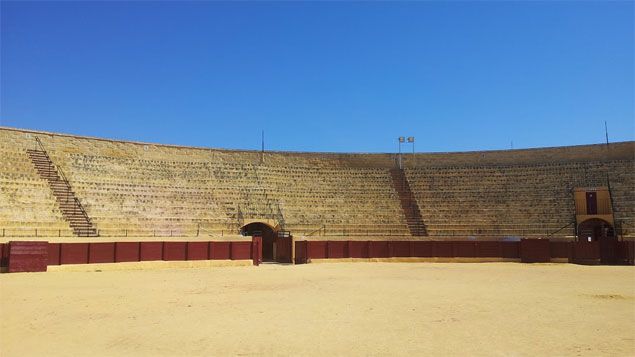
(134, 189)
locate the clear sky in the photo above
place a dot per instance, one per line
(322, 76)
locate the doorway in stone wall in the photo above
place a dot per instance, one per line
(601, 231)
(268, 236)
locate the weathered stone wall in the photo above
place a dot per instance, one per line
(138, 188)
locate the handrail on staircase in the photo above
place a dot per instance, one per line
(317, 230)
(559, 229)
(63, 176)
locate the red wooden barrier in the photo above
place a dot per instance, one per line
(317, 249)
(489, 249)
(626, 253)
(55, 254)
(358, 249)
(586, 252)
(240, 250)
(219, 250)
(4, 255)
(401, 249)
(301, 252)
(534, 250)
(256, 250)
(197, 250)
(101, 253)
(423, 249)
(283, 249)
(560, 249)
(174, 250)
(378, 249)
(443, 249)
(27, 256)
(73, 253)
(529, 250)
(465, 249)
(337, 249)
(149, 251)
(126, 252)
(510, 249)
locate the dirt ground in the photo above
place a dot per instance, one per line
(323, 309)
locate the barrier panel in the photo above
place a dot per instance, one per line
(443, 249)
(240, 250)
(465, 249)
(534, 251)
(74, 253)
(401, 249)
(4, 255)
(560, 249)
(256, 250)
(220, 250)
(301, 252)
(27, 256)
(197, 250)
(174, 250)
(510, 250)
(283, 249)
(317, 249)
(126, 252)
(337, 249)
(101, 253)
(149, 251)
(378, 249)
(55, 254)
(423, 249)
(626, 253)
(586, 252)
(489, 249)
(357, 249)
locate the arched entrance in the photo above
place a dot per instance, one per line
(268, 234)
(601, 231)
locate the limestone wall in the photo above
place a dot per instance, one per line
(138, 189)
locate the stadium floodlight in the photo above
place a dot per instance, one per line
(411, 140)
(401, 140)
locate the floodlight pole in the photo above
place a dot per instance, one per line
(400, 140)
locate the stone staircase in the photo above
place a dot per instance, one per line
(408, 203)
(72, 210)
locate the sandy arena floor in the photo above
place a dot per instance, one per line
(323, 309)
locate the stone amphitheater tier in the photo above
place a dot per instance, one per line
(137, 189)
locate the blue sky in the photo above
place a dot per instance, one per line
(322, 76)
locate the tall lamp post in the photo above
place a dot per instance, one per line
(401, 140)
(410, 140)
